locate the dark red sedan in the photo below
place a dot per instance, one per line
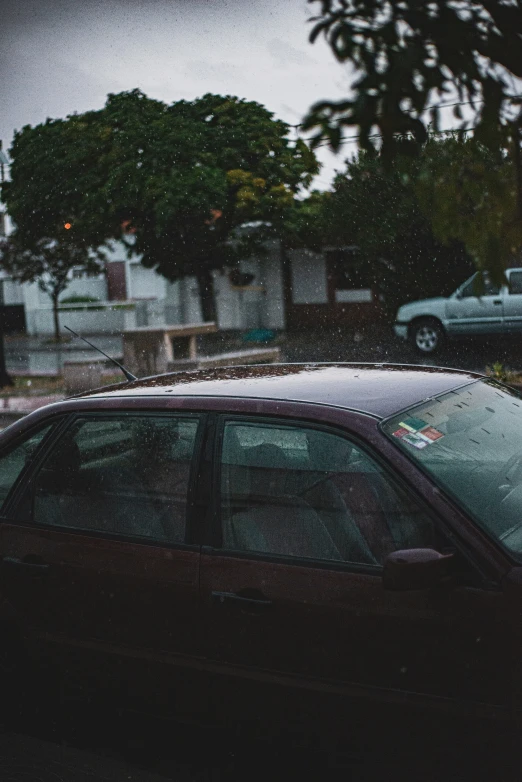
(226, 542)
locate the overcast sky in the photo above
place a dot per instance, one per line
(62, 56)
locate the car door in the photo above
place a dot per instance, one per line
(98, 561)
(468, 313)
(293, 588)
(513, 302)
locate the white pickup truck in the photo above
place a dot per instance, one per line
(426, 323)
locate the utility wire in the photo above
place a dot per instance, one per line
(350, 139)
(439, 106)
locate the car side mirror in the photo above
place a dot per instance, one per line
(415, 568)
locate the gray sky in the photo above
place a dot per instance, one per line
(62, 56)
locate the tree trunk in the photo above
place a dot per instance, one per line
(5, 378)
(206, 294)
(518, 167)
(56, 320)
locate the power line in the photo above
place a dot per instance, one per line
(437, 106)
(349, 139)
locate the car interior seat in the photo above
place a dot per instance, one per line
(69, 494)
(275, 521)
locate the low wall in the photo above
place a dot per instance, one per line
(103, 318)
(112, 317)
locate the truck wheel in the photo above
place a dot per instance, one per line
(427, 335)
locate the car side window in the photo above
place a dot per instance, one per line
(515, 282)
(296, 491)
(470, 289)
(13, 462)
(123, 475)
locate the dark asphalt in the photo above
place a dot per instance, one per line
(373, 342)
(378, 343)
(90, 744)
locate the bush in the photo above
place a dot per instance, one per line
(79, 300)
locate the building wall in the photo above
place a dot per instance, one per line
(274, 299)
(145, 283)
(259, 305)
(316, 297)
(13, 292)
(107, 320)
(240, 308)
(94, 287)
(302, 294)
(309, 279)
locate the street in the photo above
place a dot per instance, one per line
(84, 743)
(379, 344)
(366, 344)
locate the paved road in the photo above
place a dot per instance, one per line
(374, 343)
(90, 745)
(379, 344)
(27, 759)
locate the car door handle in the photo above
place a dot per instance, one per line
(35, 567)
(497, 301)
(252, 603)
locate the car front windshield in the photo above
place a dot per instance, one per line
(470, 442)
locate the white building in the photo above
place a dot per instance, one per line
(308, 291)
(128, 295)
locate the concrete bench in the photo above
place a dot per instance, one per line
(149, 350)
(231, 359)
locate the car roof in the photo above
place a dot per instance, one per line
(376, 389)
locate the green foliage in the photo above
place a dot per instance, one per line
(306, 222)
(407, 55)
(48, 262)
(79, 300)
(470, 194)
(173, 181)
(501, 373)
(376, 210)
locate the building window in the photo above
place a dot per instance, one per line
(350, 276)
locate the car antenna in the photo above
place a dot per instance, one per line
(130, 377)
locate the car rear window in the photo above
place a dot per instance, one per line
(470, 441)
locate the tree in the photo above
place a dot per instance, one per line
(174, 182)
(410, 54)
(408, 57)
(469, 193)
(306, 223)
(377, 212)
(49, 263)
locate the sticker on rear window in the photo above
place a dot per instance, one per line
(413, 424)
(400, 432)
(431, 433)
(415, 440)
